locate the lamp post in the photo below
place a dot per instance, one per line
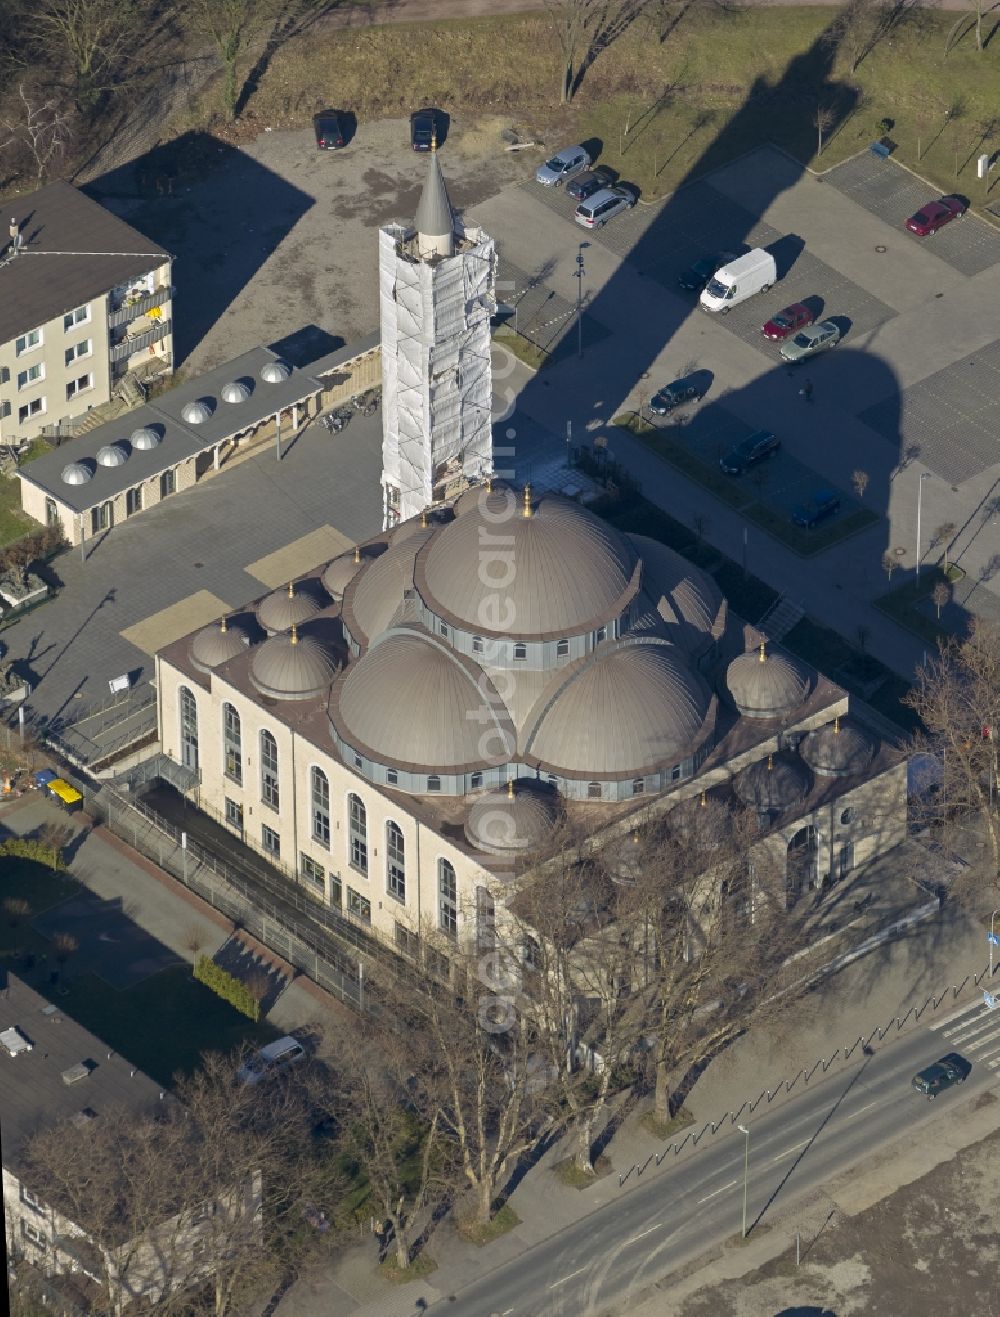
(746, 1173)
(924, 475)
(579, 296)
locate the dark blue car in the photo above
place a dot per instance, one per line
(824, 503)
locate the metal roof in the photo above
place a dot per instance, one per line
(96, 252)
(434, 218)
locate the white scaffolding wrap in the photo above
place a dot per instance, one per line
(436, 375)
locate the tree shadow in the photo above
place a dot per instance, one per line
(292, 21)
(611, 23)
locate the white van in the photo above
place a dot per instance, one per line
(740, 279)
(273, 1058)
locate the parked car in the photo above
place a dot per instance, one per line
(672, 396)
(951, 1069)
(564, 165)
(696, 276)
(594, 180)
(595, 212)
(749, 451)
(824, 503)
(935, 215)
(423, 129)
(329, 130)
(786, 322)
(273, 1058)
(814, 338)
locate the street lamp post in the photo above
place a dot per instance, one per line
(579, 297)
(924, 475)
(746, 1173)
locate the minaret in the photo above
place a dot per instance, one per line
(437, 295)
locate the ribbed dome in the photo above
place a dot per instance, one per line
(408, 529)
(375, 593)
(287, 607)
(469, 500)
(518, 818)
(688, 600)
(275, 371)
(338, 574)
(773, 784)
(767, 684)
(564, 571)
(409, 701)
(145, 438)
(76, 473)
(196, 412)
(700, 824)
(838, 750)
(631, 709)
(292, 667)
(215, 644)
(236, 391)
(112, 455)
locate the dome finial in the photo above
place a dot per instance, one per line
(704, 799)
(291, 589)
(357, 553)
(770, 763)
(295, 633)
(489, 484)
(763, 652)
(510, 788)
(527, 502)
(434, 135)
(423, 519)
(222, 624)
(836, 725)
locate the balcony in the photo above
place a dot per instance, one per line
(139, 342)
(139, 306)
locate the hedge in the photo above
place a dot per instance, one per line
(30, 848)
(227, 986)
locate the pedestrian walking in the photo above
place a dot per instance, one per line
(807, 390)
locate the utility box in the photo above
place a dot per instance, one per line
(982, 165)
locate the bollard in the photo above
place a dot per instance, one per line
(827, 1064)
(623, 1178)
(739, 1113)
(922, 1009)
(678, 1146)
(790, 1083)
(813, 1070)
(660, 1155)
(640, 1169)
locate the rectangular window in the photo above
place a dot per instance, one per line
(358, 829)
(477, 644)
(391, 776)
(447, 898)
(677, 772)
(78, 317)
(133, 501)
(336, 893)
(520, 653)
(234, 814)
(359, 906)
(439, 965)
(433, 783)
(321, 808)
(312, 872)
(269, 791)
(80, 385)
(395, 862)
(27, 341)
(33, 1234)
(270, 841)
(168, 483)
(34, 408)
(32, 375)
(562, 648)
(29, 1200)
(78, 351)
(407, 941)
(477, 781)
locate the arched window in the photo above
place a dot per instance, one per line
(477, 781)
(232, 745)
(447, 898)
(477, 645)
(520, 652)
(639, 786)
(319, 793)
(357, 839)
(395, 861)
(269, 792)
(594, 791)
(434, 783)
(847, 816)
(562, 648)
(189, 729)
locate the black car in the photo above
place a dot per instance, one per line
(672, 396)
(696, 276)
(824, 503)
(951, 1069)
(748, 451)
(329, 130)
(593, 180)
(423, 129)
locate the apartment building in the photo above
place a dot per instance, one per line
(85, 302)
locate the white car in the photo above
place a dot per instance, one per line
(563, 165)
(272, 1059)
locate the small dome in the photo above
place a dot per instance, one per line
(773, 784)
(702, 823)
(375, 593)
(287, 607)
(469, 499)
(408, 529)
(518, 818)
(687, 599)
(292, 667)
(236, 391)
(76, 474)
(144, 439)
(275, 371)
(196, 412)
(838, 750)
(112, 455)
(767, 685)
(338, 574)
(215, 644)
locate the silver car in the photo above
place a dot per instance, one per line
(595, 212)
(807, 342)
(563, 165)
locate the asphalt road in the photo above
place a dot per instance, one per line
(680, 1210)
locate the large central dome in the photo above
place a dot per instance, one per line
(551, 570)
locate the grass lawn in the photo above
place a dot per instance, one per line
(690, 464)
(13, 522)
(807, 542)
(522, 348)
(900, 604)
(634, 423)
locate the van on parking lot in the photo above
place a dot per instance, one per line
(753, 273)
(273, 1058)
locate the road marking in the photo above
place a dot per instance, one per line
(506, 1312)
(556, 1283)
(635, 1238)
(717, 1192)
(789, 1151)
(861, 1110)
(987, 1027)
(956, 1015)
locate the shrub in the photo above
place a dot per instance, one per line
(32, 848)
(227, 986)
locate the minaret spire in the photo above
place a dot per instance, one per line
(435, 220)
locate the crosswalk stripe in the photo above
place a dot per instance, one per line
(988, 1054)
(981, 1026)
(957, 1015)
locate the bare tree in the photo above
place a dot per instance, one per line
(889, 564)
(95, 39)
(16, 908)
(233, 27)
(941, 594)
(860, 480)
(824, 118)
(944, 534)
(583, 28)
(862, 25)
(42, 129)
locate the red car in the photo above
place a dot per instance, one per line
(935, 215)
(789, 321)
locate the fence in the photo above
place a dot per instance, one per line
(823, 1065)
